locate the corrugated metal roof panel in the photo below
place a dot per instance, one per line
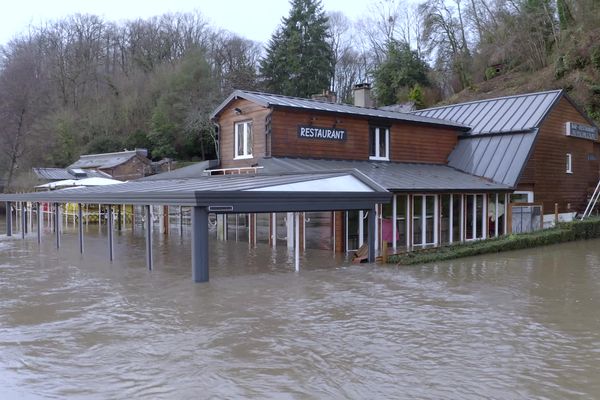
(266, 100)
(410, 177)
(52, 174)
(58, 174)
(500, 158)
(504, 114)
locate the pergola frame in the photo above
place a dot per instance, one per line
(220, 195)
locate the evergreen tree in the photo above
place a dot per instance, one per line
(401, 70)
(299, 60)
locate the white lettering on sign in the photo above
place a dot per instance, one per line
(314, 132)
(581, 131)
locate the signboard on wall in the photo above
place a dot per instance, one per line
(321, 133)
(581, 131)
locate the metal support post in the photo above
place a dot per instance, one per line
(297, 241)
(372, 233)
(8, 218)
(38, 207)
(80, 222)
(180, 221)
(23, 220)
(199, 244)
(109, 228)
(148, 218)
(57, 224)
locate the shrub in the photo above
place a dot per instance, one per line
(564, 232)
(595, 57)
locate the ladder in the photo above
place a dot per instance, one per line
(592, 202)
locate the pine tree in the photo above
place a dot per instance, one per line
(401, 70)
(299, 60)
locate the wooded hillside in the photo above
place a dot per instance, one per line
(87, 85)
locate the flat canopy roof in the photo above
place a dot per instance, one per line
(395, 177)
(341, 190)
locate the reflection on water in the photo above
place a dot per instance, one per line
(517, 325)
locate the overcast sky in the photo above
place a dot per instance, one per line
(253, 19)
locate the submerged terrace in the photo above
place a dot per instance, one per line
(223, 194)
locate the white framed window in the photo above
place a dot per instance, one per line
(521, 196)
(243, 140)
(379, 143)
(569, 163)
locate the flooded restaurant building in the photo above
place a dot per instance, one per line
(460, 172)
(315, 174)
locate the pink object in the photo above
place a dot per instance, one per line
(386, 230)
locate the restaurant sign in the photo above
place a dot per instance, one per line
(322, 133)
(582, 131)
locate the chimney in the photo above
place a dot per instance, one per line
(362, 95)
(327, 95)
(142, 152)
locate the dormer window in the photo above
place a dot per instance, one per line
(243, 140)
(379, 143)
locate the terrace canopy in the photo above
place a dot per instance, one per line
(315, 191)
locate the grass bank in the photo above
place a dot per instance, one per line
(564, 232)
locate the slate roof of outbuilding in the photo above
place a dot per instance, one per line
(398, 177)
(104, 160)
(57, 174)
(269, 100)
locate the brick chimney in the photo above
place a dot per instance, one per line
(327, 95)
(362, 95)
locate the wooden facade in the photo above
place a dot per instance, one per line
(545, 173)
(275, 134)
(247, 111)
(409, 142)
(134, 168)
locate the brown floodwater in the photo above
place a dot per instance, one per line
(517, 325)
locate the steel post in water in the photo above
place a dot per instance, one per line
(80, 216)
(180, 221)
(8, 218)
(57, 224)
(109, 228)
(148, 227)
(38, 207)
(23, 220)
(297, 241)
(372, 233)
(199, 244)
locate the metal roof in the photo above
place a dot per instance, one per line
(105, 160)
(52, 174)
(191, 171)
(405, 177)
(224, 193)
(500, 115)
(270, 100)
(500, 158)
(58, 174)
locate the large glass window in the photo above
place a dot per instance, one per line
(243, 140)
(379, 143)
(424, 220)
(474, 216)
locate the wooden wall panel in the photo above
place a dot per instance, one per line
(250, 111)
(408, 142)
(548, 164)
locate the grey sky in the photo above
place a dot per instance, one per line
(253, 19)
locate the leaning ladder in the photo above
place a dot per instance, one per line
(592, 202)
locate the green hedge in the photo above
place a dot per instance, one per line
(564, 232)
